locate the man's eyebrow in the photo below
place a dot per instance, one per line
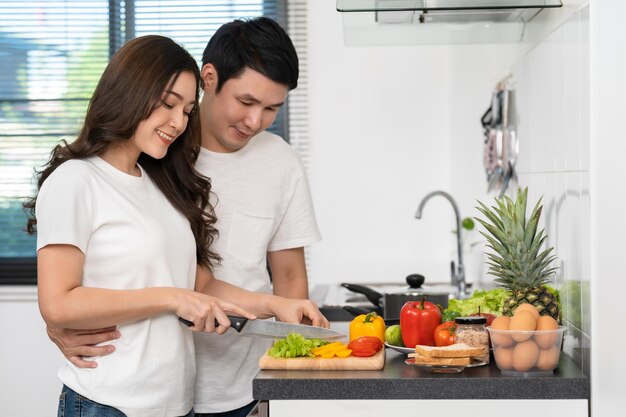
(256, 100)
(181, 98)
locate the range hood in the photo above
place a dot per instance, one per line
(438, 21)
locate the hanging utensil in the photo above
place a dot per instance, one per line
(501, 147)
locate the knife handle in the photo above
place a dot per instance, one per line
(236, 322)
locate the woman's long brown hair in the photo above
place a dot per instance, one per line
(130, 88)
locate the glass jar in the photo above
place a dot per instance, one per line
(472, 331)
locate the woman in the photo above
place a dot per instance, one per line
(122, 220)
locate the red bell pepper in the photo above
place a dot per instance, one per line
(418, 321)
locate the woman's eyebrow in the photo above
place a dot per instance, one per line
(181, 98)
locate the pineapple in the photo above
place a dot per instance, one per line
(516, 259)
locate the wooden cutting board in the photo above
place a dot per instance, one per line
(351, 363)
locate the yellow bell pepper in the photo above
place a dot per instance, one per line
(368, 325)
(343, 353)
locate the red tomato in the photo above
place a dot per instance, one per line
(365, 346)
(445, 334)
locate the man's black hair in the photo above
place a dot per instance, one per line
(260, 44)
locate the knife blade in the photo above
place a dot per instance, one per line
(273, 329)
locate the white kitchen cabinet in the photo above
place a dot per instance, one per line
(442, 408)
(29, 361)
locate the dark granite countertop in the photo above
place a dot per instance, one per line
(398, 380)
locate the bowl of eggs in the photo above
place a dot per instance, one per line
(526, 344)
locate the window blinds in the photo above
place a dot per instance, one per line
(52, 55)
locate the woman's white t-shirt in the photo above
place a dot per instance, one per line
(132, 238)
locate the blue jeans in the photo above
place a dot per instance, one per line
(240, 412)
(72, 404)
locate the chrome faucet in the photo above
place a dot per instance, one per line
(457, 278)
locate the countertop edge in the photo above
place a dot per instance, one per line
(397, 390)
(400, 381)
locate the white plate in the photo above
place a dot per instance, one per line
(457, 368)
(475, 363)
(400, 349)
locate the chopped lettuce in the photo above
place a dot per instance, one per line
(489, 301)
(295, 345)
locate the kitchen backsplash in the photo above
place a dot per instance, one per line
(552, 84)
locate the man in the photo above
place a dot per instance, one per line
(262, 202)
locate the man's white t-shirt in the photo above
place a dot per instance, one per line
(132, 238)
(263, 205)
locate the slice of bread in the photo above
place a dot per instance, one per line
(457, 350)
(424, 360)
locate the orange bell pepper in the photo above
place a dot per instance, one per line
(331, 347)
(331, 350)
(368, 325)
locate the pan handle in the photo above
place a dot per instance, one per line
(356, 311)
(375, 297)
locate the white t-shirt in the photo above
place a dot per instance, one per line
(132, 238)
(263, 204)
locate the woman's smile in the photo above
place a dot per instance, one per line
(167, 139)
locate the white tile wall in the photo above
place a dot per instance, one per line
(552, 83)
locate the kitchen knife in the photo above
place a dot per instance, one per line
(273, 329)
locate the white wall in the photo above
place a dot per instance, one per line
(476, 71)
(380, 140)
(382, 123)
(608, 229)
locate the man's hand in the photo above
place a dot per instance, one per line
(78, 344)
(289, 280)
(298, 311)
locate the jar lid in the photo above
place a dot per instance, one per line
(471, 320)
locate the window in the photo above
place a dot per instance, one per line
(52, 55)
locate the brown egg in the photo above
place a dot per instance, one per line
(525, 355)
(501, 340)
(523, 321)
(501, 323)
(527, 307)
(504, 358)
(546, 323)
(548, 358)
